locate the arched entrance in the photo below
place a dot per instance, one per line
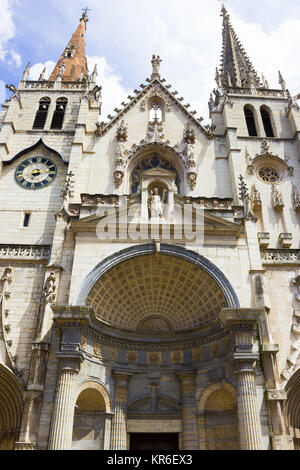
(218, 421)
(91, 417)
(11, 406)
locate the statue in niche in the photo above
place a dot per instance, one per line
(295, 197)
(156, 203)
(277, 198)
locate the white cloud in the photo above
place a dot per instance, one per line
(2, 91)
(37, 69)
(113, 91)
(7, 32)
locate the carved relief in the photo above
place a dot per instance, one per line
(122, 132)
(189, 135)
(176, 357)
(97, 350)
(192, 179)
(197, 354)
(132, 356)
(154, 358)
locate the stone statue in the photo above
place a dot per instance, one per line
(277, 198)
(156, 61)
(295, 197)
(156, 203)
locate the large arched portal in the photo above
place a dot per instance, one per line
(158, 326)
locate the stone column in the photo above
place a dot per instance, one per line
(249, 422)
(190, 439)
(241, 323)
(28, 433)
(119, 421)
(63, 412)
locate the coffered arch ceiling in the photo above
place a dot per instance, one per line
(157, 293)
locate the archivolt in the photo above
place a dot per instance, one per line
(11, 406)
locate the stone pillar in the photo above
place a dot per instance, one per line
(249, 422)
(63, 412)
(119, 421)
(190, 439)
(241, 323)
(28, 433)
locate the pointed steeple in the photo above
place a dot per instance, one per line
(73, 60)
(236, 67)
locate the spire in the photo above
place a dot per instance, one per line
(236, 67)
(73, 60)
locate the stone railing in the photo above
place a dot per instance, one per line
(25, 252)
(270, 256)
(45, 84)
(255, 91)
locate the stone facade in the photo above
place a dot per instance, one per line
(115, 322)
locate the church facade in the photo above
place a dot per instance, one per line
(150, 264)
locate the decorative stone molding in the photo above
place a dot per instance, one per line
(283, 257)
(263, 239)
(285, 240)
(25, 252)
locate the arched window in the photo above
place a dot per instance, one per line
(155, 113)
(59, 113)
(249, 116)
(41, 115)
(266, 119)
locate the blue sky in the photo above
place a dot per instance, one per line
(122, 36)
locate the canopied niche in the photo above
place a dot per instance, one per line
(166, 288)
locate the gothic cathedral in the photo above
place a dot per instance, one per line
(149, 264)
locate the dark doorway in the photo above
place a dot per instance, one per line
(154, 441)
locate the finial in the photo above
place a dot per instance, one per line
(26, 71)
(156, 61)
(282, 81)
(94, 74)
(42, 76)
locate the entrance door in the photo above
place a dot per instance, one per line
(154, 441)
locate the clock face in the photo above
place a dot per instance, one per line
(35, 173)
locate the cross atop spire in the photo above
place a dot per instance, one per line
(236, 67)
(85, 16)
(72, 65)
